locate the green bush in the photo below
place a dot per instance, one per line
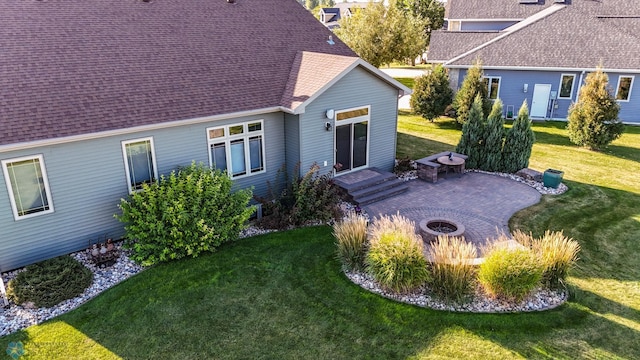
(453, 274)
(351, 240)
(472, 137)
(49, 282)
(473, 85)
(302, 200)
(510, 273)
(518, 142)
(431, 94)
(395, 258)
(191, 211)
(593, 121)
(556, 252)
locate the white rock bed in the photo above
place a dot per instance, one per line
(539, 300)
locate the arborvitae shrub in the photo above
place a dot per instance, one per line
(518, 143)
(472, 86)
(493, 139)
(49, 282)
(471, 140)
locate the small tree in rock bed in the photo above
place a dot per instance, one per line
(431, 94)
(191, 211)
(593, 120)
(518, 142)
(493, 139)
(471, 141)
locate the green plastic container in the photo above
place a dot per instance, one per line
(552, 178)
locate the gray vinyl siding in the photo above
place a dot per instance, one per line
(359, 88)
(87, 179)
(512, 91)
(292, 140)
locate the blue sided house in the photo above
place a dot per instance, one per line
(541, 50)
(100, 96)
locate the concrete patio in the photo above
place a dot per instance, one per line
(483, 203)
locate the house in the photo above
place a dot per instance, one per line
(330, 16)
(541, 50)
(100, 96)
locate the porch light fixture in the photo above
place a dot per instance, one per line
(329, 114)
(525, 88)
(327, 126)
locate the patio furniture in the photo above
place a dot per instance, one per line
(454, 163)
(429, 167)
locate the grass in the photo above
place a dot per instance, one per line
(408, 82)
(282, 296)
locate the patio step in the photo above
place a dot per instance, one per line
(370, 185)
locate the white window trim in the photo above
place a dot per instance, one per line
(489, 78)
(630, 87)
(348, 121)
(45, 179)
(573, 84)
(126, 161)
(227, 139)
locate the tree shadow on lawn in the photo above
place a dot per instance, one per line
(419, 147)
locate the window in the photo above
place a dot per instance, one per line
(566, 86)
(139, 163)
(237, 149)
(454, 25)
(493, 86)
(624, 88)
(28, 186)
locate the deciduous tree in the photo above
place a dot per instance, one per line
(431, 94)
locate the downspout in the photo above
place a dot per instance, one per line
(579, 85)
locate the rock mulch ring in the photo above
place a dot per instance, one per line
(539, 300)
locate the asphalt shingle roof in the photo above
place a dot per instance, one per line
(80, 66)
(445, 45)
(494, 9)
(583, 34)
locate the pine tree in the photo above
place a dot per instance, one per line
(472, 86)
(518, 142)
(431, 94)
(493, 139)
(593, 120)
(471, 141)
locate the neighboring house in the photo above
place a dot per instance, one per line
(541, 51)
(100, 96)
(330, 16)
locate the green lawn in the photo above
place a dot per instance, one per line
(408, 82)
(282, 296)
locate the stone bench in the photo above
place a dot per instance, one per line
(428, 167)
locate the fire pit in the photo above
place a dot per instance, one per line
(430, 229)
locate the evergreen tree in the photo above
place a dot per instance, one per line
(593, 120)
(431, 94)
(471, 141)
(493, 139)
(472, 86)
(518, 142)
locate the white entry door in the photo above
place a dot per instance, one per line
(540, 100)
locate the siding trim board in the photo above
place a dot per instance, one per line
(541, 68)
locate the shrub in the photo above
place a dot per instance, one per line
(395, 258)
(453, 273)
(49, 282)
(403, 165)
(518, 142)
(593, 121)
(351, 240)
(493, 139)
(312, 197)
(510, 273)
(471, 140)
(431, 94)
(191, 211)
(557, 254)
(472, 86)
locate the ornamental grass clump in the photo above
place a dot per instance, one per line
(50, 282)
(351, 240)
(557, 253)
(453, 273)
(510, 273)
(395, 258)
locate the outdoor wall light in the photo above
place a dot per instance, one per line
(329, 114)
(327, 126)
(525, 88)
